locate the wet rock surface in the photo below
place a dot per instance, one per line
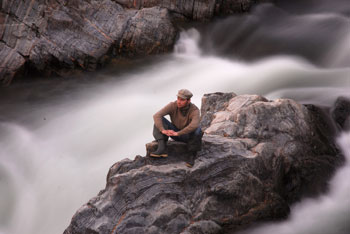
(258, 157)
(61, 37)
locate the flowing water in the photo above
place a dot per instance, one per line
(58, 139)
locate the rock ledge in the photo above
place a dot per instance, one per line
(258, 157)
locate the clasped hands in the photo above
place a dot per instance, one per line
(170, 133)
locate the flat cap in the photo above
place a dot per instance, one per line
(184, 94)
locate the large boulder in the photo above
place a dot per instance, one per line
(61, 37)
(258, 157)
(58, 37)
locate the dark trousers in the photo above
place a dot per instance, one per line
(193, 139)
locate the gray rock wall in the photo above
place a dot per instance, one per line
(195, 9)
(58, 37)
(61, 37)
(258, 157)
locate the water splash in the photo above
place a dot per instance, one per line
(66, 149)
(188, 44)
(58, 158)
(322, 38)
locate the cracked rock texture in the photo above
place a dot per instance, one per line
(195, 9)
(341, 113)
(61, 37)
(258, 157)
(56, 37)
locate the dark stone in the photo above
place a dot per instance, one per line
(212, 103)
(195, 9)
(64, 37)
(341, 113)
(59, 37)
(258, 157)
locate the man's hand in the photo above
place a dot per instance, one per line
(170, 133)
(173, 133)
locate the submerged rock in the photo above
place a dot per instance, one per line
(258, 157)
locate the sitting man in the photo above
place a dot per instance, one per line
(184, 126)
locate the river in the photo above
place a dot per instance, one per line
(58, 138)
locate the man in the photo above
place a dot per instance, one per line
(184, 126)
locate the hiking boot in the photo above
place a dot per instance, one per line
(161, 150)
(189, 165)
(195, 143)
(190, 159)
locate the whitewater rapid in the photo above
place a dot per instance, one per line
(57, 157)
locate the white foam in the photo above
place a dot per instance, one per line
(59, 163)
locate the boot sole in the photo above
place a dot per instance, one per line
(159, 155)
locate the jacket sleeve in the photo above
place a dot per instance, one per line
(193, 125)
(157, 117)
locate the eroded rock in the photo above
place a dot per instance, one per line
(61, 37)
(194, 9)
(341, 113)
(58, 37)
(274, 155)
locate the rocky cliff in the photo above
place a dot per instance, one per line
(58, 37)
(258, 157)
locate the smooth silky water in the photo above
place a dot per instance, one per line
(57, 143)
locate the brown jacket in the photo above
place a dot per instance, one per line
(186, 123)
